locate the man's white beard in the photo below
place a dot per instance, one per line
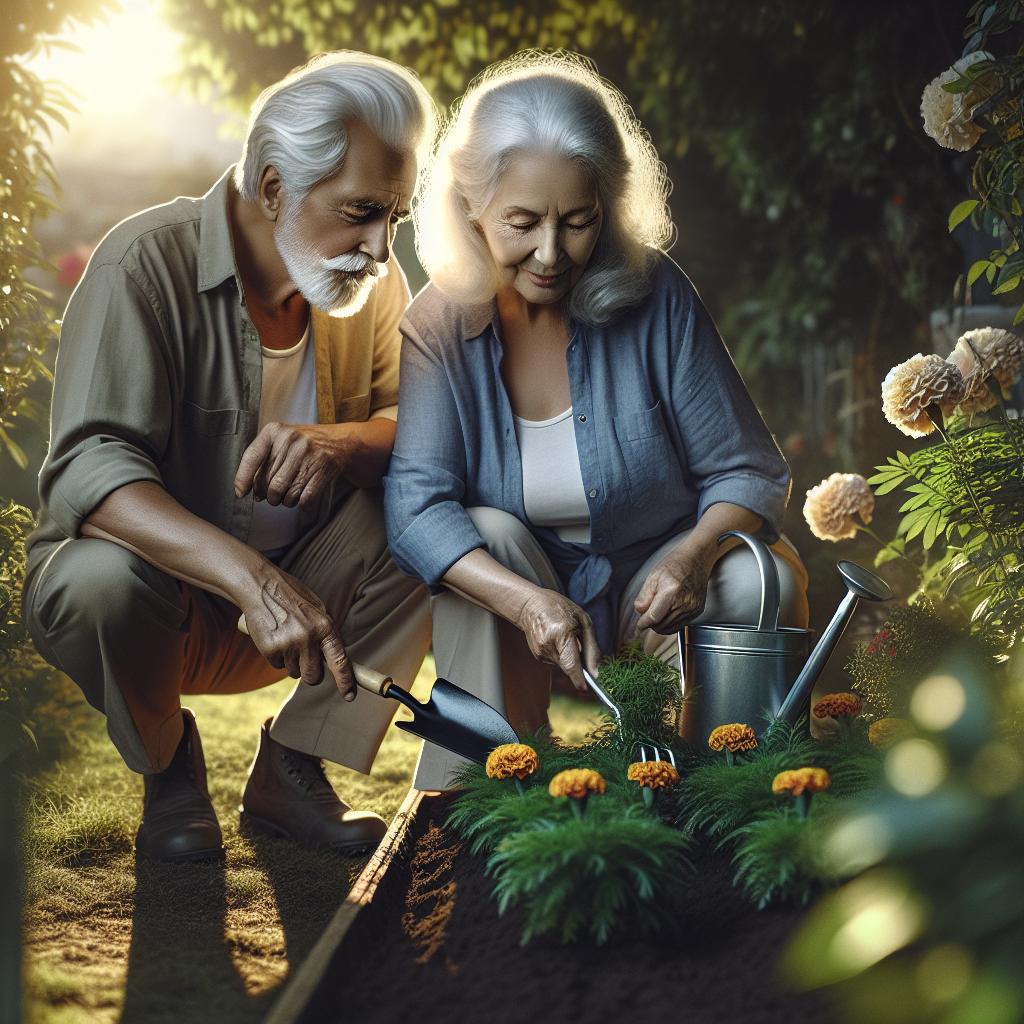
(338, 286)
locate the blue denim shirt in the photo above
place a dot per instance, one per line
(665, 427)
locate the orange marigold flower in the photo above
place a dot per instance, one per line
(887, 731)
(511, 760)
(654, 774)
(801, 780)
(839, 705)
(734, 737)
(577, 783)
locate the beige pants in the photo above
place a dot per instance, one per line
(135, 639)
(489, 657)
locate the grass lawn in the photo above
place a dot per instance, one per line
(109, 940)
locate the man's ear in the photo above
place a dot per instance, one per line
(269, 195)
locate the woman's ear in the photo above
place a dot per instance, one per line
(269, 195)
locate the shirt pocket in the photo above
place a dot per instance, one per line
(353, 410)
(209, 422)
(652, 466)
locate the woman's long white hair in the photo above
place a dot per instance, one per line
(552, 103)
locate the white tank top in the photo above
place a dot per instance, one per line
(553, 493)
(288, 395)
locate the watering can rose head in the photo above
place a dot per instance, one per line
(577, 783)
(511, 760)
(797, 781)
(653, 774)
(833, 507)
(734, 737)
(839, 705)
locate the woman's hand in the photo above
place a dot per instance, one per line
(290, 627)
(675, 591)
(560, 633)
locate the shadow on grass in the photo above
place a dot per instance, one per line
(179, 964)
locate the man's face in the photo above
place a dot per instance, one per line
(337, 240)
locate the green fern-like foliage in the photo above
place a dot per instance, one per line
(587, 877)
(777, 856)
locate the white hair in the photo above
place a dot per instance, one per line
(553, 103)
(297, 124)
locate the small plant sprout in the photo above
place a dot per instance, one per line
(577, 784)
(734, 738)
(843, 708)
(801, 783)
(652, 775)
(515, 761)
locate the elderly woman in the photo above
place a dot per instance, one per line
(573, 436)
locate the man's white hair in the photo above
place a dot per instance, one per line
(298, 124)
(551, 103)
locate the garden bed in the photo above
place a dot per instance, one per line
(419, 938)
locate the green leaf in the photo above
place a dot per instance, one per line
(1019, 317)
(14, 449)
(977, 269)
(963, 210)
(1007, 286)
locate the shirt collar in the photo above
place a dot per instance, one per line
(216, 250)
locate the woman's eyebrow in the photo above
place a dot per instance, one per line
(511, 211)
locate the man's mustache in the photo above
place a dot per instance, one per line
(354, 263)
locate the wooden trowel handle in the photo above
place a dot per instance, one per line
(368, 678)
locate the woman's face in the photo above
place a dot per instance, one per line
(542, 225)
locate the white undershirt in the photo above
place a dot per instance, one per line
(288, 395)
(553, 494)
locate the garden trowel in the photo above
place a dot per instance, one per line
(452, 718)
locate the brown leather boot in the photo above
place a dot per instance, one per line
(178, 820)
(287, 794)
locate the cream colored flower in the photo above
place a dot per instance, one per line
(910, 387)
(831, 508)
(1001, 353)
(978, 397)
(947, 115)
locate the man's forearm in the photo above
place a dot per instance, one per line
(143, 517)
(364, 448)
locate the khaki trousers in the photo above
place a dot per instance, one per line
(489, 657)
(135, 639)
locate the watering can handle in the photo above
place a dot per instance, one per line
(770, 592)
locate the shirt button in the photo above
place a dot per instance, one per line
(593, 493)
(572, 347)
(583, 417)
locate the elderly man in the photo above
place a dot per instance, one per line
(223, 411)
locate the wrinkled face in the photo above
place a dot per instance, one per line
(337, 240)
(542, 225)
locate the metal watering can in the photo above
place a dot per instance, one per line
(736, 673)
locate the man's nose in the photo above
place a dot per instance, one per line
(377, 243)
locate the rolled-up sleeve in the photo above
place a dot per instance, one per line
(730, 451)
(428, 527)
(112, 397)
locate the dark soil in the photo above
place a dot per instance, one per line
(430, 947)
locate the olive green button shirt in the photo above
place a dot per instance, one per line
(159, 372)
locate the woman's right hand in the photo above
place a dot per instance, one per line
(560, 633)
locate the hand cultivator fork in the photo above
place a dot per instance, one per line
(646, 750)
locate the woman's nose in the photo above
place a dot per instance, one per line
(546, 252)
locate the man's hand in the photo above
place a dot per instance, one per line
(675, 591)
(560, 633)
(291, 463)
(290, 627)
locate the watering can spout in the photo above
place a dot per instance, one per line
(860, 584)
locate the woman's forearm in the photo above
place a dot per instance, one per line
(718, 519)
(482, 579)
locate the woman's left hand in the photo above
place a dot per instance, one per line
(674, 592)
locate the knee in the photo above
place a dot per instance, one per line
(91, 582)
(734, 592)
(499, 529)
